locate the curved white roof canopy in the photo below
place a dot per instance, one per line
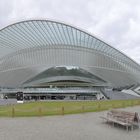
(24, 42)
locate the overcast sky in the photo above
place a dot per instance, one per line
(117, 22)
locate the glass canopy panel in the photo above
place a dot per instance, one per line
(27, 32)
(49, 33)
(8, 40)
(69, 31)
(82, 39)
(78, 33)
(65, 32)
(21, 37)
(46, 32)
(30, 26)
(86, 40)
(17, 42)
(74, 36)
(97, 47)
(90, 40)
(103, 46)
(60, 28)
(25, 35)
(57, 33)
(93, 41)
(53, 33)
(40, 33)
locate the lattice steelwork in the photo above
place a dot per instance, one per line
(29, 47)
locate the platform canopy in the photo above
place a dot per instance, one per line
(29, 48)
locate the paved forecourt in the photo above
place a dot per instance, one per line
(87, 126)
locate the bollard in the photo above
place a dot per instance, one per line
(113, 106)
(132, 103)
(83, 109)
(99, 107)
(62, 110)
(123, 105)
(13, 112)
(39, 112)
